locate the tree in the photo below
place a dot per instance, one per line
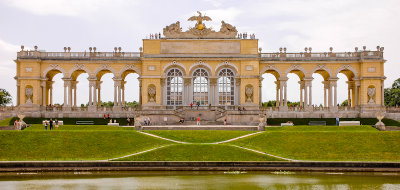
(392, 95)
(5, 97)
(345, 103)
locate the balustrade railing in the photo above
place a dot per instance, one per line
(322, 55)
(78, 55)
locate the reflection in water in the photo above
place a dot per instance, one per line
(198, 180)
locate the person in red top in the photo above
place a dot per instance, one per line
(191, 105)
(198, 120)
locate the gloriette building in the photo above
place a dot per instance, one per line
(218, 68)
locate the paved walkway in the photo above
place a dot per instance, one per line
(220, 142)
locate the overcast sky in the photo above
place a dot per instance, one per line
(105, 24)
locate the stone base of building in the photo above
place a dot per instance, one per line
(160, 115)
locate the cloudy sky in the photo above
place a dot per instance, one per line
(105, 24)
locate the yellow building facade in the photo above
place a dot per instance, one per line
(201, 66)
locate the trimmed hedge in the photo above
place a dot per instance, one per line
(71, 121)
(331, 121)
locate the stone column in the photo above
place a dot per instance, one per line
(164, 92)
(117, 93)
(18, 92)
(74, 83)
(335, 86)
(301, 93)
(281, 93)
(213, 91)
(260, 90)
(285, 87)
(382, 94)
(330, 95)
(305, 94)
(123, 93)
(98, 85)
(310, 94)
(237, 90)
(67, 94)
(326, 86)
(51, 95)
(277, 93)
(186, 93)
(44, 90)
(356, 99)
(140, 90)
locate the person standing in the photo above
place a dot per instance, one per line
(198, 120)
(51, 124)
(128, 121)
(198, 105)
(45, 125)
(337, 121)
(16, 124)
(56, 122)
(191, 105)
(225, 121)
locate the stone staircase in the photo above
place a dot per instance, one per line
(213, 116)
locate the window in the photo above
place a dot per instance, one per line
(226, 87)
(174, 87)
(200, 86)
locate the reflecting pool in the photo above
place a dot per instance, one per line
(200, 180)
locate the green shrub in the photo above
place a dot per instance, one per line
(331, 121)
(71, 121)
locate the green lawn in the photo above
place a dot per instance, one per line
(308, 128)
(199, 136)
(327, 145)
(198, 152)
(5, 122)
(73, 145)
(39, 127)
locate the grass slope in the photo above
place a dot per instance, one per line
(73, 145)
(308, 128)
(38, 127)
(327, 145)
(197, 152)
(5, 122)
(199, 136)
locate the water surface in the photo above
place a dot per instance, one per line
(200, 180)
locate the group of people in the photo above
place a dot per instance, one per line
(18, 124)
(129, 121)
(147, 121)
(50, 124)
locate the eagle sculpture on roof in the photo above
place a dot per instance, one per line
(199, 19)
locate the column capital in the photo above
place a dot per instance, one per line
(283, 78)
(213, 80)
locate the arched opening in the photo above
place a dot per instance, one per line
(320, 88)
(200, 86)
(294, 83)
(54, 93)
(270, 89)
(105, 80)
(82, 90)
(79, 89)
(131, 90)
(345, 89)
(226, 87)
(174, 87)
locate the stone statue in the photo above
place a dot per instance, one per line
(227, 28)
(371, 94)
(249, 93)
(29, 94)
(380, 125)
(152, 93)
(199, 25)
(199, 30)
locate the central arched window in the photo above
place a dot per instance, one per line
(226, 87)
(200, 86)
(174, 87)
